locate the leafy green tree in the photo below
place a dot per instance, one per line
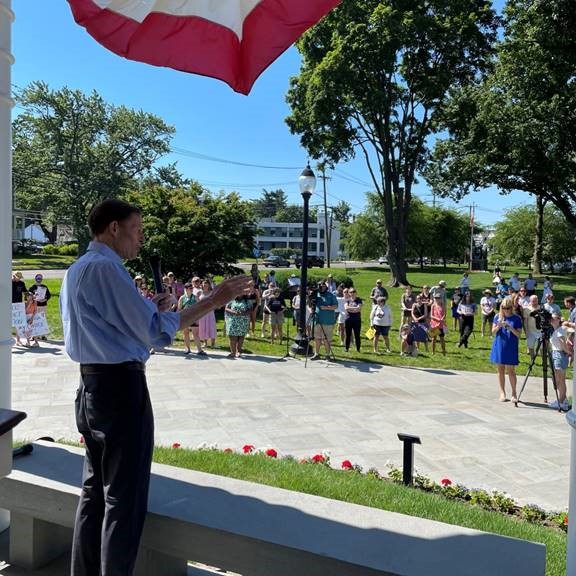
(374, 78)
(420, 230)
(295, 213)
(437, 233)
(270, 203)
(341, 212)
(194, 231)
(515, 130)
(365, 238)
(72, 150)
(514, 235)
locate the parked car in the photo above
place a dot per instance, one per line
(383, 260)
(313, 261)
(24, 247)
(275, 262)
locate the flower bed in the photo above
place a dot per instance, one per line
(494, 500)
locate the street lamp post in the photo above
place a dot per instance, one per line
(307, 182)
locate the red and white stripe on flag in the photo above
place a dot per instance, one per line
(232, 40)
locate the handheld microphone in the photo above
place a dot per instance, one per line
(154, 262)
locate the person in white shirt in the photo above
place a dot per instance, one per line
(488, 310)
(266, 295)
(342, 298)
(331, 284)
(524, 297)
(550, 306)
(560, 357)
(381, 320)
(514, 282)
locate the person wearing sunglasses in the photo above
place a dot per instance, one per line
(506, 329)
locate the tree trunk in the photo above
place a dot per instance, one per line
(51, 232)
(396, 255)
(539, 236)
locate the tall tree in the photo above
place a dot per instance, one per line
(195, 232)
(341, 212)
(374, 77)
(295, 213)
(71, 150)
(514, 235)
(365, 238)
(515, 130)
(270, 203)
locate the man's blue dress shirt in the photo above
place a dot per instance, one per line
(106, 320)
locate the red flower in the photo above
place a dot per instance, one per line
(81, 439)
(566, 520)
(347, 465)
(175, 445)
(271, 452)
(247, 448)
(228, 450)
(318, 458)
(446, 482)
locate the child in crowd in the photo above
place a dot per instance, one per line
(409, 347)
(31, 310)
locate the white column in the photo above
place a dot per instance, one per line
(571, 543)
(6, 103)
(6, 61)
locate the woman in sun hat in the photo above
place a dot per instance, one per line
(487, 309)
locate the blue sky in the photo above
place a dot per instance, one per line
(210, 119)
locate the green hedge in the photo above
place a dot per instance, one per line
(64, 250)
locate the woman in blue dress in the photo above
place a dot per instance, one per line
(506, 329)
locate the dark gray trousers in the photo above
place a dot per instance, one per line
(114, 415)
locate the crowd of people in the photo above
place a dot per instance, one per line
(506, 310)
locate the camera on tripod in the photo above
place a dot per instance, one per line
(312, 294)
(542, 318)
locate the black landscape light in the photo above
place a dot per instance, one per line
(408, 460)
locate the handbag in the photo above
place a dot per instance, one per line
(370, 333)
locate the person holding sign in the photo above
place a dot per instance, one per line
(18, 293)
(41, 295)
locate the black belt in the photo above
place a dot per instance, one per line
(99, 368)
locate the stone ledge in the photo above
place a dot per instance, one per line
(260, 530)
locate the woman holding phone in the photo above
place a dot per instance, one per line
(506, 329)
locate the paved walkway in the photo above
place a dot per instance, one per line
(352, 410)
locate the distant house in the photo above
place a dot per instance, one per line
(274, 234)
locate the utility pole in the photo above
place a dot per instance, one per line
(471, 233)
(327, 234)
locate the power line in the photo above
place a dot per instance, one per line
(198, 156)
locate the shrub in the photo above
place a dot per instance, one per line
(68, 250)
(49, 249)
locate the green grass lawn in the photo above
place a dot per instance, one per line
(475, 358)
(367, 491)
(42, 262)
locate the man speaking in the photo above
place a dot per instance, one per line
(109, 329)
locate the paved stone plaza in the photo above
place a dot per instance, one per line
(352, 410)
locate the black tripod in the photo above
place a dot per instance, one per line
(542, 347)
(311, 323)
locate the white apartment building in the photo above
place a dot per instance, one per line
(289, 235)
